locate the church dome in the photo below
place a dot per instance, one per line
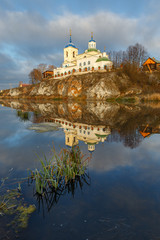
(92, 40)
(70, 44)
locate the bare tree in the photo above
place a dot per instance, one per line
(51, 67)
(35, 76)
(135, 55)
(42, 67)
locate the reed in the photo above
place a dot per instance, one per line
(60, 170)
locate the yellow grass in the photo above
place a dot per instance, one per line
(151, 97)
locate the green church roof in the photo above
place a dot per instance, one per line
(102, 59)
(91, 143)
(92, 49)
(100, 135)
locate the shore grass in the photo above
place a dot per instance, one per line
(123, 100)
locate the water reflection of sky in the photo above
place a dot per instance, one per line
(17, 141)
(122, 202)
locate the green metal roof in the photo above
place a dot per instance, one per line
(102, 59)
(91, 143)
(92, 49)
(102, 136)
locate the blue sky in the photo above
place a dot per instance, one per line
(33, 32)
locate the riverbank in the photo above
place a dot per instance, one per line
(117, 85)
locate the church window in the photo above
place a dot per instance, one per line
(66, 54)
(89, 62)
(73, 54)
(68, 139)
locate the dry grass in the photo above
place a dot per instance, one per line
(151, 97)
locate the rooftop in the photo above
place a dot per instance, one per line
(102, 59)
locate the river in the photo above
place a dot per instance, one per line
(119, 198)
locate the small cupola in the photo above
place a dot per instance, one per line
(92, 43)
(104, 53)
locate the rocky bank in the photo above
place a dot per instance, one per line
(89, 86)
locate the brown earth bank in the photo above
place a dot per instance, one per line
(91, 86)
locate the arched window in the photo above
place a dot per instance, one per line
(66, 54)
(73, 54)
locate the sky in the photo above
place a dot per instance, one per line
(36, 31)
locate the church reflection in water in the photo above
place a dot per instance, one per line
(75, 132)
(91, 122)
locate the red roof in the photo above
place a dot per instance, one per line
(24, 84)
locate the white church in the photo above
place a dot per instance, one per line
(91, 60)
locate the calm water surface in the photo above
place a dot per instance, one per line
(121, 196)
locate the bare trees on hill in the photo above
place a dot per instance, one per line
(135, 54)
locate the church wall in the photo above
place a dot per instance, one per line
(104, 63)
(92, 45)
(88, 62)
(70, 54)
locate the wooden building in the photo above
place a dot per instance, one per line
(47, 74)
(147, 130)
(21, 84)
(151, 64)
